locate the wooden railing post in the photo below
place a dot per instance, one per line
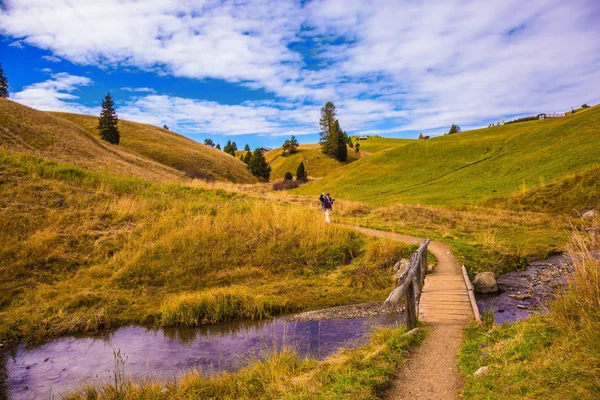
(411, 306)
(410, 283)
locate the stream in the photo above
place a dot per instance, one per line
(527, 291)
(66, 363)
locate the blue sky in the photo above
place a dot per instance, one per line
(256, 72)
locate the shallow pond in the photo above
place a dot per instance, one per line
(527, 291)
(64, 364)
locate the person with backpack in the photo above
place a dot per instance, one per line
(326, 205)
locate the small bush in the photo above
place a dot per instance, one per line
(285, 185)
(205, 176)
(288, 176)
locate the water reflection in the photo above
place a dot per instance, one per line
(65, 363)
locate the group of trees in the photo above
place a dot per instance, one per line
(230, 148)
(290, 146)
(333, 139)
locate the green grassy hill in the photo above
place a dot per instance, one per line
(318, 164)
(169, 148)
(472, 166)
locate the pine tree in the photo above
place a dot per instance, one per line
(341, 151)
(454, 129)
(259, 166)
(3, 83)
(230, 148)
(108, 120)
(248, 157)
(218, 146)
(328, 114)
(288, 176)
(209, 142)
(247, 148)
(301, 172)
(357, 147)
(293, 144)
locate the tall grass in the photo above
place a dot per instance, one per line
(551, 356)
(218, 305)
(483, 239)
(85, 250)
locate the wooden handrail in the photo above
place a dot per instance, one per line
(410, 282)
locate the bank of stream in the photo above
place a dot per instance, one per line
(527, 291)
(66, 363)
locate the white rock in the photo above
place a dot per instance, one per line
(485, 282)
(589, 214)
(481, 371)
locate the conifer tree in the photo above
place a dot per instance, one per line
(247, 148)
(248, 157)
(328, 114)
(209, 142)
(230, 148)
(301, 172)
(218, 146)
(258, 165)
(3, 83)
(454, 129)
(288, 176)
(108, 120)
(341, 151)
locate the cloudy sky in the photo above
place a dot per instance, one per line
(255, 71)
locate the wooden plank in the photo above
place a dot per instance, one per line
(471, 294)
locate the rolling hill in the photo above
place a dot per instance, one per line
(169, 148)
(318, 164)
(472, 166)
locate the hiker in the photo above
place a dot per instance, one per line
(326, 203)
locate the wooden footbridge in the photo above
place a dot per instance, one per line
(442, 301)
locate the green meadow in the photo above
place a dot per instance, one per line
(96, 236)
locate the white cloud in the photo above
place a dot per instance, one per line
(52, 59)
(55, 94)
(402, 64)
(138, 89)
(18, 44)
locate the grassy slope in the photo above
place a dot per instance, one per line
(555, 356)
(317, 164)
(84, 250)
(377, 145)
(169, 148)
(472, 166)
(25, 130)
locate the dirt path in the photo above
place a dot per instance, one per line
(431, 371)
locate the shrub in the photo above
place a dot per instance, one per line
(288, 176)
(285, 185)
(205, 176)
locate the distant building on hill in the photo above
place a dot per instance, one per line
(551, 115)
(362, 138)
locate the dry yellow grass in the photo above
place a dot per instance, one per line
(84, 250)
(169, 148)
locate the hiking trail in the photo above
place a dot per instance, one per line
(431, 370)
